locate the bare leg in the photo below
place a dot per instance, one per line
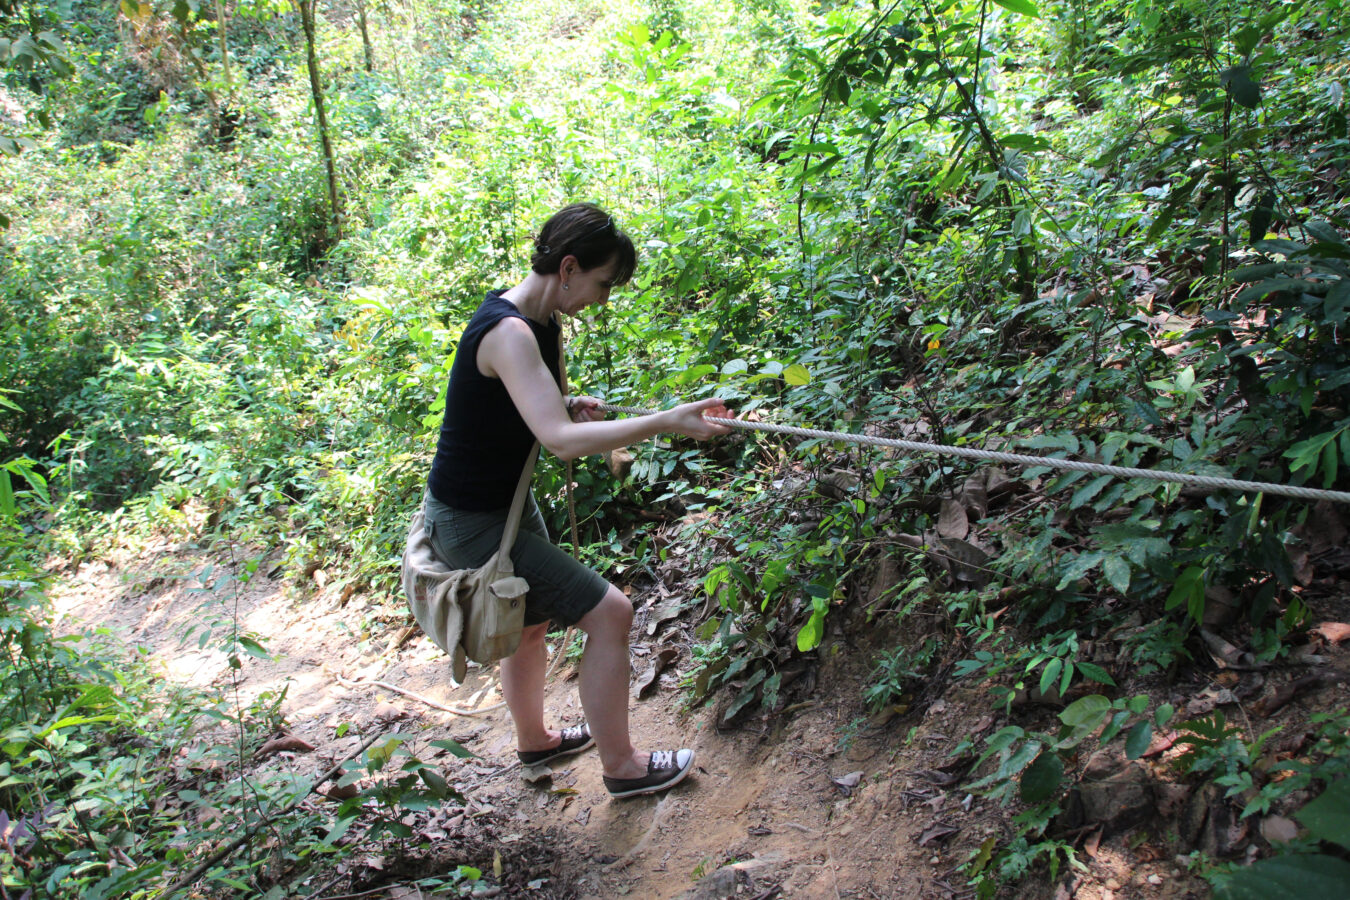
(522, 676)
(604, 684)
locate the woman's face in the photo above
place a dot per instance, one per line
(585, 287)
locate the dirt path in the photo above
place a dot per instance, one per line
(762, 814)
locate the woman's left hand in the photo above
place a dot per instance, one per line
(584, 409)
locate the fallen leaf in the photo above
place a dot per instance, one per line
(663, 614)
(941, 779)
(938, 831)
(1335, 632)
(663, 658)
(847, 783)
(1161, 743)
(1092, 843)
(966, 561)
(758, 831)
(1302, 565)
(952, 520)
(1280, 697)
(286, 743)
(341, 792)
(536, 774)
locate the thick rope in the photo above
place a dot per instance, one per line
(1019, 459)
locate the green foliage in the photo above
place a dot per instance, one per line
(1299, 874)
(1105, 231)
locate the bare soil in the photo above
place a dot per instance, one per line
(768, 813)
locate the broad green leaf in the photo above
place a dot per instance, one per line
(7, 505)
(1137, 740)
(797, 375)
(1094, 672)
(1082, 717)
(1117, 573)
(1080, 566)
(1325, 233)
(1042, 778)
(1050, 673)
(813, 631)
(1328, 817)
(454, 747)
(1023, 7)
(1293, 877)
(1238, 80)
(748, 693)
(435, 781)
(1163, 714)
(1189, 584)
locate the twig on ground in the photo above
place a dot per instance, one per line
(418, 697)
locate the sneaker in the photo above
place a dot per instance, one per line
(667, 768)
(574, 740)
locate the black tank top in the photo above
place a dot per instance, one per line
(484, 441)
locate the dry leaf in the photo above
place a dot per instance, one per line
(1092, 843)
(938, 831)
(1161, 743)
(848, 782)
(1334, 632)
(663, 614)
(342, 792)
(1303, 568)
(952, 521)
(966, 561)
(663, 658)
(536, 774)
(287, 743)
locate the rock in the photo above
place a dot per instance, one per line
(1211, 825)
(720, 885)
(1278, 829)
(1116, 802)
(1221, 606)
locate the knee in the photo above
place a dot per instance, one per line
(533, 636)
(613, 615)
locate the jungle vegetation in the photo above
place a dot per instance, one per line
(238, 240)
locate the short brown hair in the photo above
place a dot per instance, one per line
(587, 232)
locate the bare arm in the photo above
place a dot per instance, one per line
(509, 352)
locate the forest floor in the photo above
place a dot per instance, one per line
(817, 801)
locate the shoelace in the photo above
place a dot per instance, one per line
(663, 759)
(572, 733)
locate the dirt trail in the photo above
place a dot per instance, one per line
(762, 813)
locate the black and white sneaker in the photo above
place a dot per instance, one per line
(575, 739)
(666, 769)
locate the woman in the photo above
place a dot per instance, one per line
(504, 393)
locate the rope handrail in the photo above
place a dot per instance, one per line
(1021, 459)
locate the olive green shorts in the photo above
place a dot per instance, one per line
(561, 589)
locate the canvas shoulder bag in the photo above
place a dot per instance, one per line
(475, 614)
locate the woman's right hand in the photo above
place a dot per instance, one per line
(698, 419)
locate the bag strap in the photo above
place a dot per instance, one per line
(523, 486)
(517, 507)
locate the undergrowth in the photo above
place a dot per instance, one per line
(1113, 232)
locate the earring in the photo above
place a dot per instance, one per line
(565, 287)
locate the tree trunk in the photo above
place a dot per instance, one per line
(365, 35)
(316, 89)
(221, 25)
